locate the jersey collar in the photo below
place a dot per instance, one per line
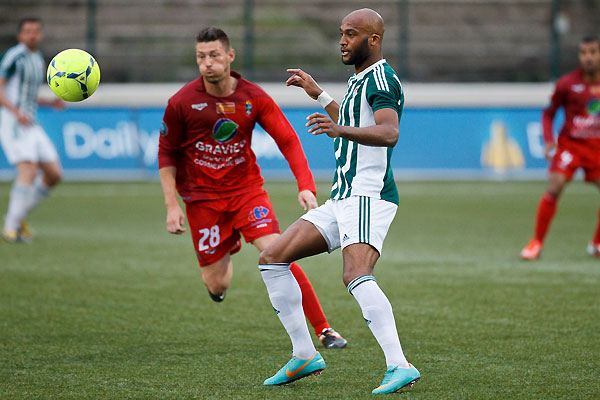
(369, 69)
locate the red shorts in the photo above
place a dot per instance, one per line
(216, 224)
(571, 156)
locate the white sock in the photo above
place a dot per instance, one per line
(20, 197)
(39, 192)
(378, 314)
(286, 298)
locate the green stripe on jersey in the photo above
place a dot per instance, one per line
(366, 170)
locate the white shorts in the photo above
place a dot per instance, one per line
(356, 219)
(24, 143)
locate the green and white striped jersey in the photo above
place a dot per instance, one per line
(24, 72)
(362, 170)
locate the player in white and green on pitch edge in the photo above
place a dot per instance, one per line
(26, 145)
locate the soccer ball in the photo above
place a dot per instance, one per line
(73, 75)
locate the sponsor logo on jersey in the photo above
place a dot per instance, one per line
(593, 106)
(224, 130)
(224, 108)
(200, 106)
(258, 213)
(345, 238)
(248, 107)
(578, 88)
(164, 131)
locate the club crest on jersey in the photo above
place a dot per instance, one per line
(593, 106)
(248, 107)
(224, 130)
(164, 131)
(258, 213)
(200, 106)
(578, 88)
(224, 108)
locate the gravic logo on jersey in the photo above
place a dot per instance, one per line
(224, 130)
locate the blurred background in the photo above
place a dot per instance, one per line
(476, 75)
(425, 40)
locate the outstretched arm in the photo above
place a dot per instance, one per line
(53, 102)
(384, 133)
(313, 90)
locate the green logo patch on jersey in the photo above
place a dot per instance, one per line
(593, 107)
(224, 130)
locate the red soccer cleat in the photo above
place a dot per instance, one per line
(593, 249)
(532, 250)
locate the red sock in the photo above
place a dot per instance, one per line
(545, 212)
(597, 234)
(310, 302)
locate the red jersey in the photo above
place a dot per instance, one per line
(208, 139)
(581, 102)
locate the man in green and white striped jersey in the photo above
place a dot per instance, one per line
(363, 203)
(25, 143)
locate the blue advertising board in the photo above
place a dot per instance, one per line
(121, 143)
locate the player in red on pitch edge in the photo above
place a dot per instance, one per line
(205, 155)
(578, 141)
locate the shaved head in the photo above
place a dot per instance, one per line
(366, 20)
(361, 35)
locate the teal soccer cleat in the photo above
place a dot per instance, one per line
(297, 368)
(396, 378)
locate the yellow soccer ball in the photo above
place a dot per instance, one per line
(73, 75)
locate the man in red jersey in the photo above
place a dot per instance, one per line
(205, 155)
(578, 142)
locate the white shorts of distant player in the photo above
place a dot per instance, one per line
(24, 143)
(356, 219)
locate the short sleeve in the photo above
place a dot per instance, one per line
(8, 64)
(384, 91)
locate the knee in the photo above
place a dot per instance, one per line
(216, 285)
(555, 187)
(266, 256)
(351, 272)
(554, 191)
(53, 178)
(348, 277)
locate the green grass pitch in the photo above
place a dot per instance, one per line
(106, 304)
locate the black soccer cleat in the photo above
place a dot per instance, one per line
(331, 339)
(217, 297)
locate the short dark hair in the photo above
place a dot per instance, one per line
(590, 39)
(28, 20)
(211, 34)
